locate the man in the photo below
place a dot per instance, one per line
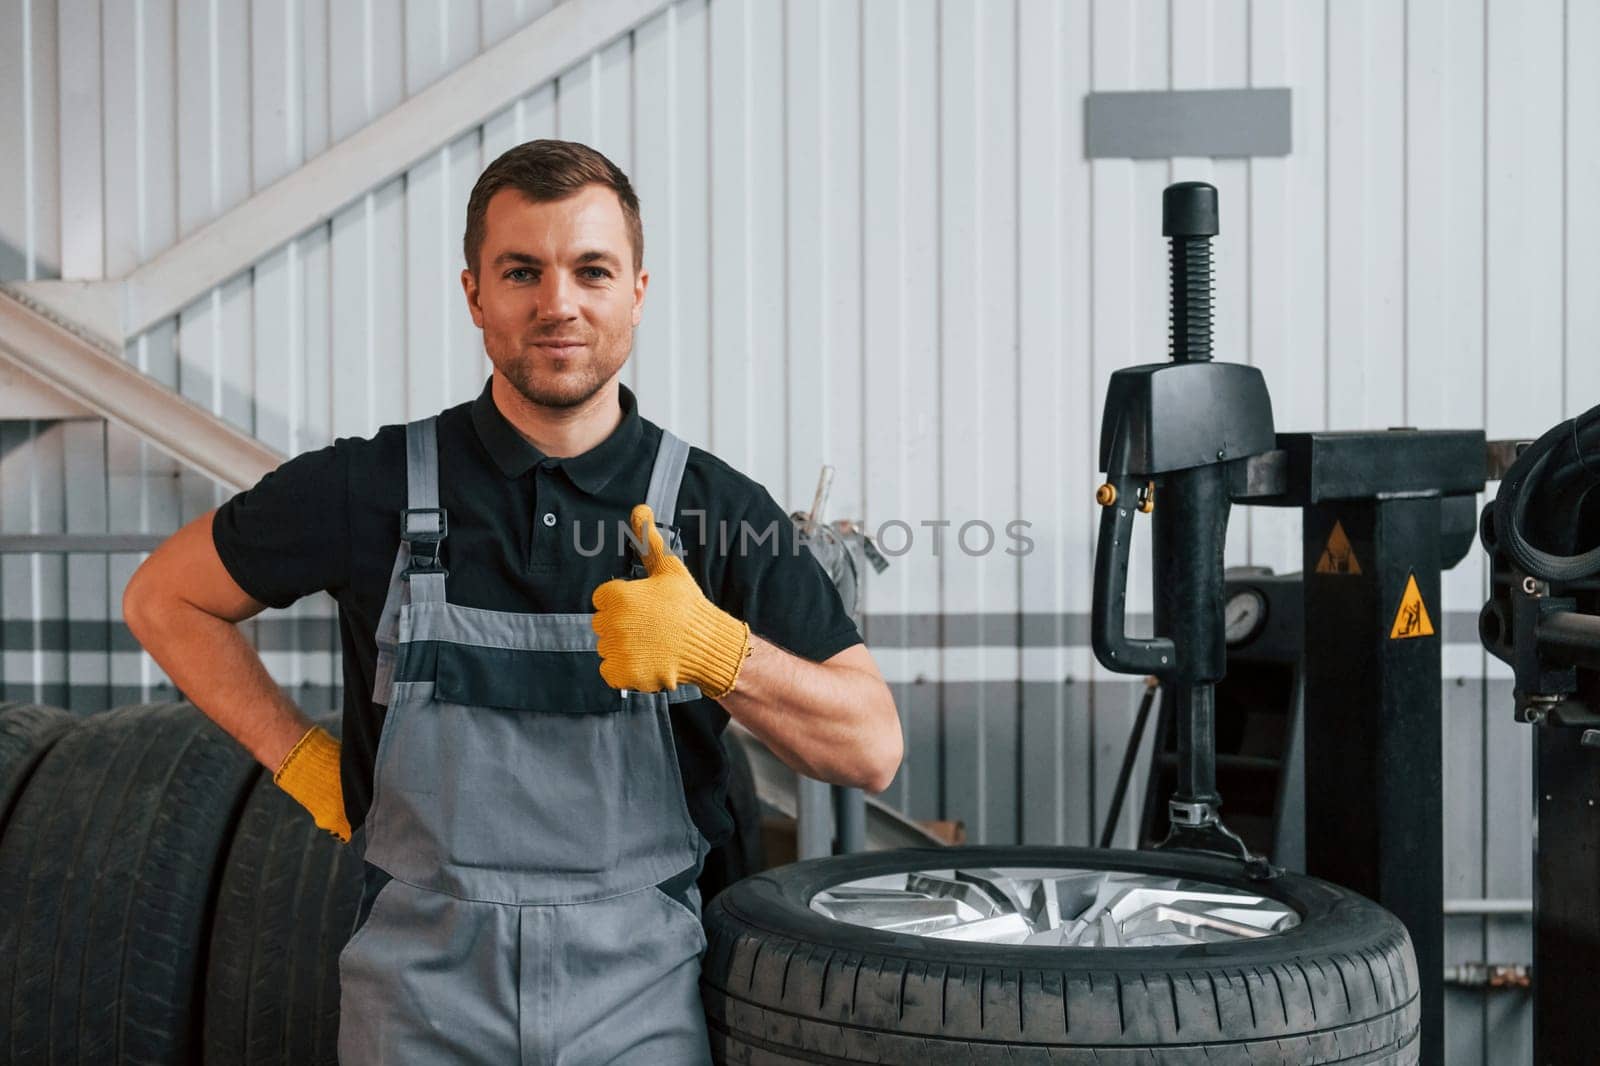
(530, 756)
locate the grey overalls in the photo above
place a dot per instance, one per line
(540, 905)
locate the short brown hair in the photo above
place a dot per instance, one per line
(549, 170)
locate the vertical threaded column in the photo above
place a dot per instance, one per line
(1189, 219)
(1191, 298)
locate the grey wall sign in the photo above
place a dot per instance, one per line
(1202, 122)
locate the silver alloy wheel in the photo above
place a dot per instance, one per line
(1055, 907)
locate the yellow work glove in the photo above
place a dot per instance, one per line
(659, 631)
(310, 774)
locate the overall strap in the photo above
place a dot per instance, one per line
(423, 525)
(666, 477)
(672, 455)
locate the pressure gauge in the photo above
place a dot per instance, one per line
(1244, 616)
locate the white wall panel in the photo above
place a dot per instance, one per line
(672, 349)
(749, 187)
(1581, 140)
(900, 256)
(874, 242)
(30, 230)
(1272, 535)
(79, 145)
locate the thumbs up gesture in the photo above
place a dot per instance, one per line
(659, 631)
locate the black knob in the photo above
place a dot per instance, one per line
(1189, 209)
(1189, 219)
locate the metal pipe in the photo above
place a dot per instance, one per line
(1488, 906)
(813, 818)
(1130, 756)
(86, 543)
(819, 502)
(1491, 976)
(1576, 635)
(1196, 711)
(850, 818)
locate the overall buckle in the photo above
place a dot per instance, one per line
(424, 543)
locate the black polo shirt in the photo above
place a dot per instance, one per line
(527, 533)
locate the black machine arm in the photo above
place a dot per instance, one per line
(1541, 532)
(1175, 441)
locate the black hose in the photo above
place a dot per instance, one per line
(1559, 468)
(1151, 688)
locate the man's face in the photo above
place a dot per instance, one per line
(555, 293)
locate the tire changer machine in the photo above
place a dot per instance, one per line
(1183, 441)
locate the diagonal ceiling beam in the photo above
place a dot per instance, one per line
(59, 339)
(50, 351)
(458, 102)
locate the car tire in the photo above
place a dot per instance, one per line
(285, 909)
(26, 732)
(107, 870)
(784, 984)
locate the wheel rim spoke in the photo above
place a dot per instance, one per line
(1060, 907)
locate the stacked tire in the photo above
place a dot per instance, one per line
(27, 732)
(160, 900)
(285, 907)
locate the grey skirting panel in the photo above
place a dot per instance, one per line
(1200, 122)
(84, 543)
(953, 629)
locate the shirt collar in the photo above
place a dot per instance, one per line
(590, 471)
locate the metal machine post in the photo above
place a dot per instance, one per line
(1374, 743)
(1383, 514)
(833, 819)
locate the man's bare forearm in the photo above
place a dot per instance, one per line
(829, 721)
(217, 668)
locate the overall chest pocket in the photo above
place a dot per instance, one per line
(488, 713)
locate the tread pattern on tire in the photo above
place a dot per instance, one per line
(772, 996)
(27, 731)
(285, 909)
(107, 870)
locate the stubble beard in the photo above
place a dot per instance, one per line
(572, 389)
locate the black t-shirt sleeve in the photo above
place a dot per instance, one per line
(287, 536)
(776, 584)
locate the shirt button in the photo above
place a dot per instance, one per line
(549, 518)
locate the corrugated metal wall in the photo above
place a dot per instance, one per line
(875, 242)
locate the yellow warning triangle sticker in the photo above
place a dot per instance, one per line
(1338, 557)
(1411, 620)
